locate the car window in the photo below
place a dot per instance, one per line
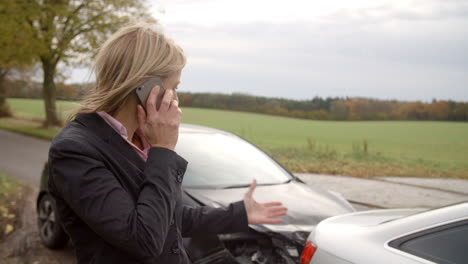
(217, 160)
(444, 244)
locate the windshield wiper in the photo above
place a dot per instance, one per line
(236, 186)
(246, 185)
(288, 181)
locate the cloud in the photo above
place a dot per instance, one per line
(409, 50)
(412, 57)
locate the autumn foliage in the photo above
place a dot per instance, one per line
(316, 108)
(331, 108)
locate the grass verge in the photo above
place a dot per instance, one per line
(362, 165)
(11, 193)
(28, 127)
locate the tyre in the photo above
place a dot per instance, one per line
(50, 229)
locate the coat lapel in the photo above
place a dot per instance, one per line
(117, 144)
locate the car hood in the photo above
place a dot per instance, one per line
(307, 205)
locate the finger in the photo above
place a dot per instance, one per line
(277, 209)
(141, 115)
(272, 221)
(174, 104)
(271, 204)
(251, 188)
(151, 101)
(281, 212)
(166, 101)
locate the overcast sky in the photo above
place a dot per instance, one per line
(399, 49)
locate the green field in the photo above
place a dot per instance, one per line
(406, 148)
(32, 108)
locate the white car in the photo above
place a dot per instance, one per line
(391, 236)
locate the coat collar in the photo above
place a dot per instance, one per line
(98, 126)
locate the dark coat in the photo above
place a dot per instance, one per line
(116, 207)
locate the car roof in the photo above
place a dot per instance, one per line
(437, 215)
(402, 220)
(194, 129)
(375, 238)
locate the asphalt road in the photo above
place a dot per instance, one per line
(23, 157)
(393, 192)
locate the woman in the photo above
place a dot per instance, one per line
(113, 170)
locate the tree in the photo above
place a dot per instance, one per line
(439, 110)
(339, 109)
(69, 31)
(16, 48)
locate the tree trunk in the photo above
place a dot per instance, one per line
(49, 93)
(4, 109)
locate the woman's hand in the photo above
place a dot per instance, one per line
(262, 213)
(160, 127)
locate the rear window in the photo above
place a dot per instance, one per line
(443, 244)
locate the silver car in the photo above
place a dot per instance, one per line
(221, 167)
(391, 236)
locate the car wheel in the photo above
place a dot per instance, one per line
(50, 230)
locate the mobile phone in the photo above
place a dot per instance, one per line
(144, 90)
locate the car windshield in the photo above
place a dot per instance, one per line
(217, 160)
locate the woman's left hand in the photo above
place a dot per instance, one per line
(262, 213)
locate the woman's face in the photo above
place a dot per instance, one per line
(171, 82)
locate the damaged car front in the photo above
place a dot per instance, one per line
(220, 170)
(221, 167)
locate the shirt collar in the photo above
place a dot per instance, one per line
(114, 123)
(122, 131)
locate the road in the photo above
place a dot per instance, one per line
(22, 157)
(393, 192)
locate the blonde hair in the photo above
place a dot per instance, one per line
(132, 54)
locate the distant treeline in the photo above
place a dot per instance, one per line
(28, 89)
(331, 108)
(335, 108)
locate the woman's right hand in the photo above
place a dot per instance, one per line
(160, 127)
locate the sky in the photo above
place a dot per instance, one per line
(298, 49)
